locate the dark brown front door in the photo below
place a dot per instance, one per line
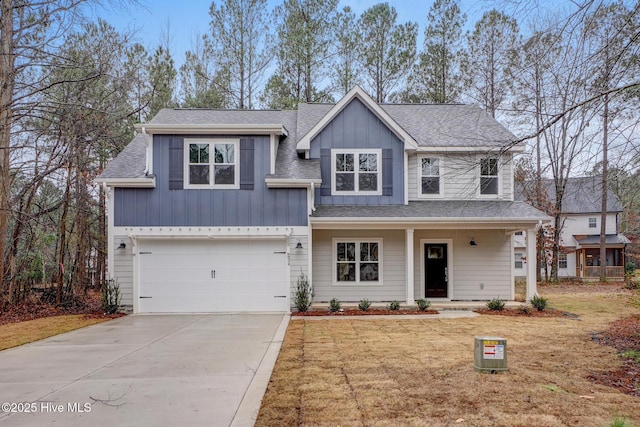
(435, 269)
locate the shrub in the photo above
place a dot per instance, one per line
(630, 268)
(524, 309)
(394, 305)
(423, 304)
(538, 302)
(620, 422)
(111, 297)
(364, 304)
(334, 305)
(303, 293)
(496, 304)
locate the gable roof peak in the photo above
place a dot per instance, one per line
(357, 93)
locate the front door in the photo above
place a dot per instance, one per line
(435, 269)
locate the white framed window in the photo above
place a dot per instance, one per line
(356, 172)
(211, 163)
(519, 233)
(562, 260)
(518, 262)
(430, 176)
(593, 222)
(489, 181)
(357, 261)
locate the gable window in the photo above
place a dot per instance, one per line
(430, 176)
(211, 163)
(357, 261)
(518, 260)
(562, 260)
(593, 222)
(357, 172)
(489, 176)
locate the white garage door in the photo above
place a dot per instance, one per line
(212, 276)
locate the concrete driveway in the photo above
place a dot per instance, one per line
(144, 370)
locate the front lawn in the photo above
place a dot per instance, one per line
(419, 372)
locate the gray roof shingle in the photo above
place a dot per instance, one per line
(130, 163)
(610, 239)
(432, 209)
(582, 195)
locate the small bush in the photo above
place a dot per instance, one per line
(364, 305)
(524, 309)
(394, 305)
(111, 297)
(423, 304)
(539, 302)
(620, 422)
(495, 304)
(630, 268)
(303, 293)
(334, 305)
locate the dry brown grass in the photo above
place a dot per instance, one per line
(15, 334)
(419, 372)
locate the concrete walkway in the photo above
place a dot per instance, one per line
(144, 370)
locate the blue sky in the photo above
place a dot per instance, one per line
(186, 19)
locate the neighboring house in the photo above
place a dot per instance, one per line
(213, 210)
(579, 256)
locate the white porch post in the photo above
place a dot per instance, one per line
(409, 268)
(531, 263)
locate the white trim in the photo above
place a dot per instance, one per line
(211, 142)
(291, 182)
(449, 243)
(406, 178)
(425, 223)
(273, 153)
(357, 92)
(410, 273)
(148, 143)
(149, 182)
(357, 241)
(531, 263)
(478, 169)
(222, 232)
(441, 174)
(217, 128)
(356, 153)
(110, 232)
(517, 149)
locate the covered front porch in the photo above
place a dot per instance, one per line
(588, 260)
(383, 259)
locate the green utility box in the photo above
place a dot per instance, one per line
(490, 354)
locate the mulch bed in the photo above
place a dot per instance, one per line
(356, 312)
(549, 312)
(623, 335)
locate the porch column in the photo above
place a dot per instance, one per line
(531, 263)
(409, 268)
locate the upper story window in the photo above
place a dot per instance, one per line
(489, 176)
(430, 180)
(593, 222)
(211, 163)
(356, 172)
(519, 233)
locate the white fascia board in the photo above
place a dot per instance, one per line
(202, 232)
(217, 128)
(424, 223)
(128, 182)
(357, 92)
(517, 149)
(291, 183)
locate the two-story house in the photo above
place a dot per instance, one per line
(218, 210)
(579, 256)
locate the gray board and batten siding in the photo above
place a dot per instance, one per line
(357, 127)
(169, 204)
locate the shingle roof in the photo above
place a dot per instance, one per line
(610, 239)
(431, 125)
(288, 164)
(130, 163)
(432, 209)
(582, 195)
(198, 116)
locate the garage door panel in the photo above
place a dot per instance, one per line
(212, 276)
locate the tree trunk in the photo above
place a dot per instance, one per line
(7, 79)
(603, 210)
